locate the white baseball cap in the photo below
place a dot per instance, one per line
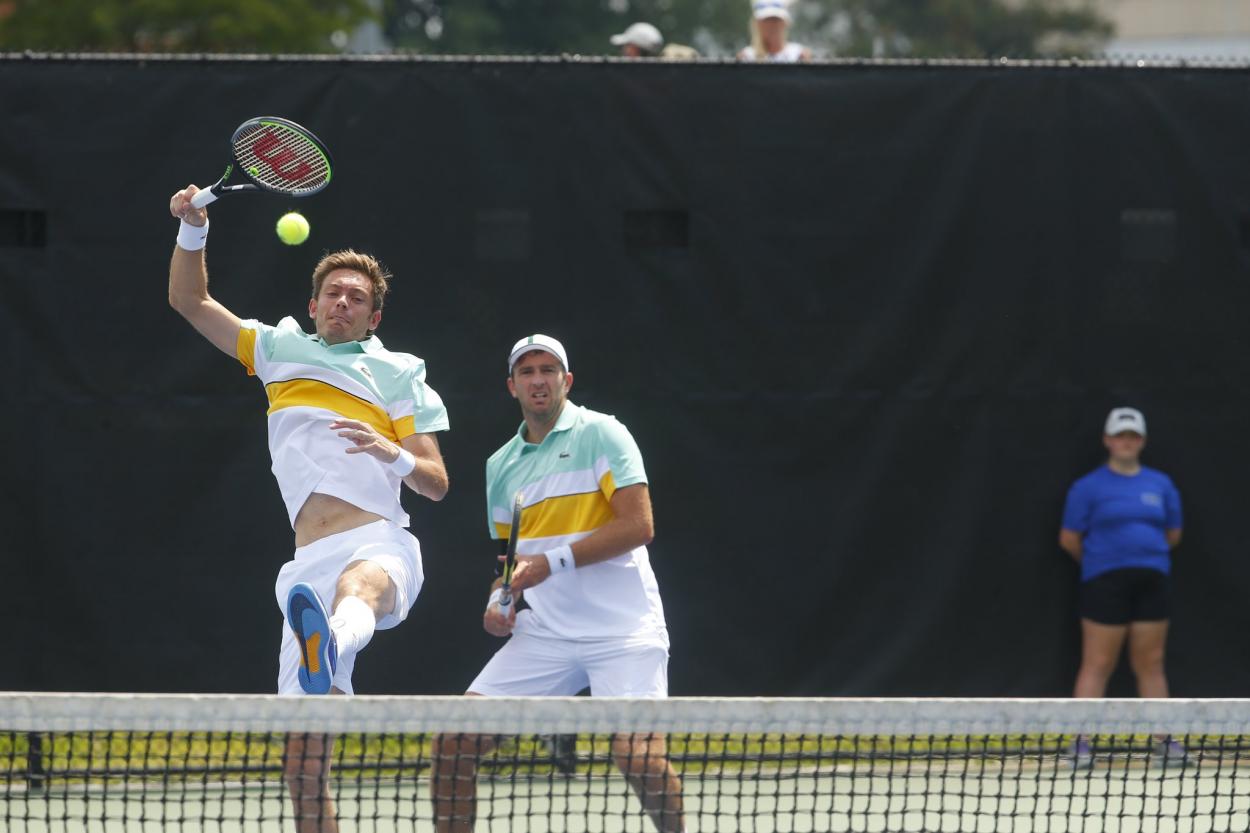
(771, 8)
(642, 35)
(538, 342)
(1125, 419)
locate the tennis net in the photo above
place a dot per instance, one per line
(225, 763)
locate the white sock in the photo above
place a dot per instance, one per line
(353, 625)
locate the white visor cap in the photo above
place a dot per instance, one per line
(538, 342)
(1125, 419)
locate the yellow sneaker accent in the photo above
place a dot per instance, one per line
(314, 655)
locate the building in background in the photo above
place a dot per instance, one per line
(367, 38)
(1191, 29)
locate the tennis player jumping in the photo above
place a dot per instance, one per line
(349, 421)
(587, 608)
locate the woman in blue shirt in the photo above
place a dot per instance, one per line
(1120, 523)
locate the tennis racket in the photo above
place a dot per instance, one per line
(509, 561)
(274, 155)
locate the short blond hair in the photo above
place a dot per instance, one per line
(367, 265)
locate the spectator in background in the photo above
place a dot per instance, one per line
(770, 21)
(640, 40)
(1120, 523)
(679, 52)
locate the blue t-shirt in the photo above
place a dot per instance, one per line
(1124, 519)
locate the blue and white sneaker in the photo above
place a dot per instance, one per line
(319, 652)
(1080, 754)
(1170, 752)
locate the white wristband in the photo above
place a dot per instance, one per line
(192, 238)
(494, 596)
(561, 559)
(405, 463)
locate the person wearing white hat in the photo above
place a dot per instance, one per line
(640, 40)
(1120, 523)
(770, 21)
(586, 609)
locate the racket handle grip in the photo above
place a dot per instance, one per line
(505, 601)
(203, 198)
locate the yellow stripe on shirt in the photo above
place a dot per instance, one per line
(245, 349)
(315, 394)
(607, 484)
(405, 426)
(564, 515)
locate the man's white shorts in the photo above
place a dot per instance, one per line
(536, 666)
(321, 563)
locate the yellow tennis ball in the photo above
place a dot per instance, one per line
(292, 228)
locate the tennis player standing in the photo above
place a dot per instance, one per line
(349, 421)
(589, 606)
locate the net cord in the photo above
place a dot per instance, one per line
(37, 711)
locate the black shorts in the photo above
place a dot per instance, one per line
(1131, 594)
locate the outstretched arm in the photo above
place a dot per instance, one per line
(188, 283)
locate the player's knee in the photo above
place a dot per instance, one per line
(1099, 662)
(369, 583)
(358, 580)
(304, 765)
(629, 766)
(636, 757)
(303, 782)
(1147, 661)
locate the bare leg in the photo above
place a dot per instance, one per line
(1146, 644)
(643, 760)
(454, 779)
(1146, 641)
(1100, 651)
(306, 766)
(306, 770)
(368, 582)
